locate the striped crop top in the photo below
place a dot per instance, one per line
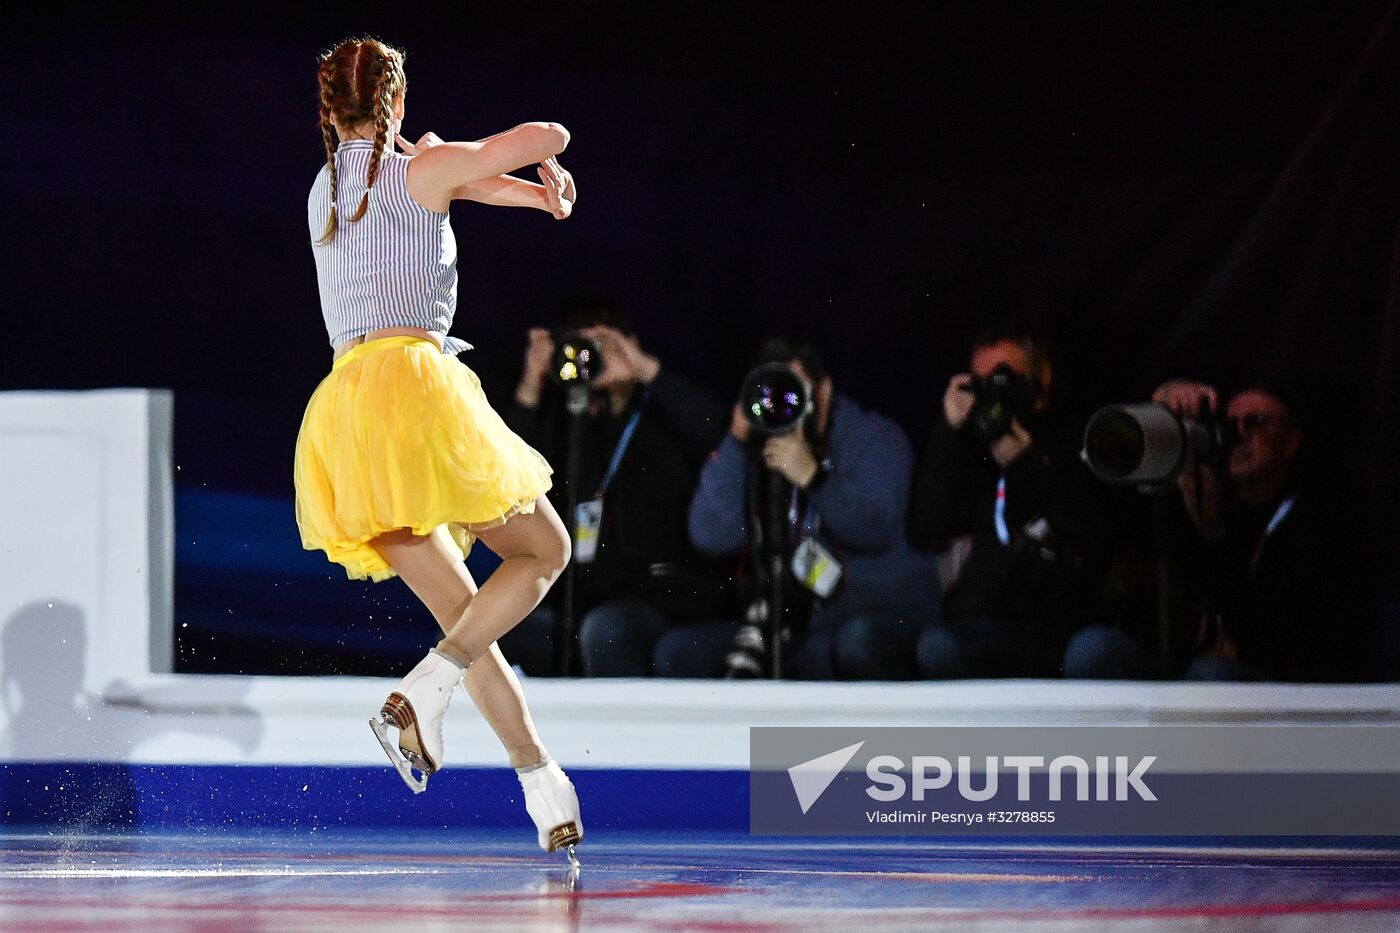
(394, 267)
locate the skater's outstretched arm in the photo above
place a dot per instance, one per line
(444, 171)
(509, 191)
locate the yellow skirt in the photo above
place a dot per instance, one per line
(400, 435)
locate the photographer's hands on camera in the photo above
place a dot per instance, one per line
(791, 455)
(1202, 493)
(958, 401)
(787, 454)
(627, 362)
(539, 351)
(1201, 484)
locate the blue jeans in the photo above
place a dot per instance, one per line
(859, 646)
(989, 646)
(1100, 652)
(872, 646)
(617, 638)
(694, 650)
(1216, 668)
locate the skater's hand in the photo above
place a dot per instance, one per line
(957, 400)
(569, 192)
(623, 358)
(539, 352)
(790, 455)
(426, 142)
(559, 190)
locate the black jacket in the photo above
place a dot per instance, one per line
(955, 494)
(643, 547)
(1300, 602)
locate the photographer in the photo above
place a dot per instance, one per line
(841, 480)
(645, 431)
(1283, 585)
(1001, 471)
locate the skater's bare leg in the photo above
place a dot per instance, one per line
(432, 570)
(430, 566)
(534, 548)
(494, 688)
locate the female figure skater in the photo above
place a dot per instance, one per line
(400, 461)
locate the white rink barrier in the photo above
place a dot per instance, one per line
(86, 530)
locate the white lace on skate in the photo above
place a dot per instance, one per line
(552, 803)
(417, 708)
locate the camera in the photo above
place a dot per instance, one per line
(1149, 444)
(775, 400)
(748, 655)
(748, 652)
(577, 360)
(999, 397)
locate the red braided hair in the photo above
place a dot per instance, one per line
(359, 81)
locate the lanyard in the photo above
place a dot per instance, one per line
(999, 513)
(808, 520)
(1280, 514)
(622, 443)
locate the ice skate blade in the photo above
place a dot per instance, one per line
(564, 837)
(398, 712)
(415, 783)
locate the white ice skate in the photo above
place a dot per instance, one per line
(552, 803)
(416, 708)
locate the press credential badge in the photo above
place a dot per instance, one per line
(815, 566)
(588, 519)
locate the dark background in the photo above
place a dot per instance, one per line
(1171, 189)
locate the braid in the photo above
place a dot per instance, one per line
(360, 79)
(326, 137)
(383, 112)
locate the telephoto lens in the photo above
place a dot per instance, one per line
(775, 399)
(578, 360)
(1147, 444)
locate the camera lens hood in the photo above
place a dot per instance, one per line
(577, 360)
(775, 399)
